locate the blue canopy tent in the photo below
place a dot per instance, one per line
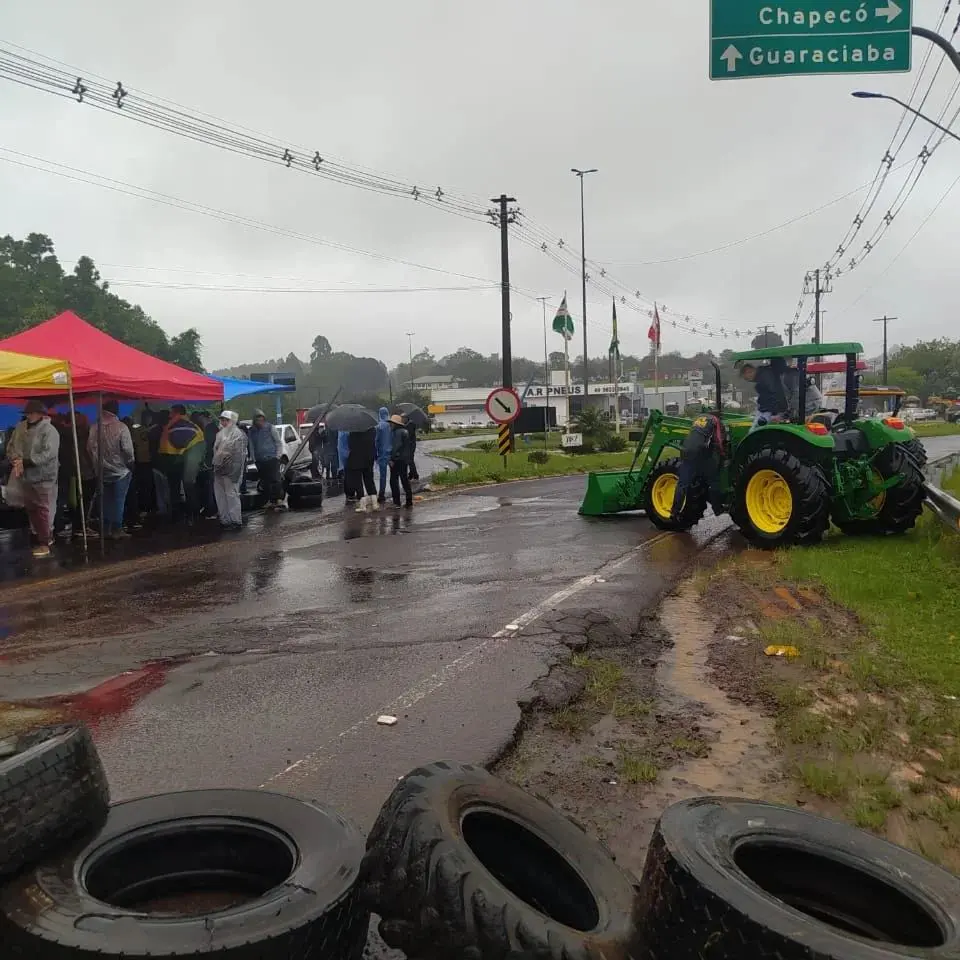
(234, 387)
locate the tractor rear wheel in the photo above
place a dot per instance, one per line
(779, 500)
(658, 497)
(917, 450)
(896, 509)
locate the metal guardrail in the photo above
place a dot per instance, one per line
(942, 504)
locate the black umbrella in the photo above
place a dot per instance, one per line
(351, 418)
(412, 413)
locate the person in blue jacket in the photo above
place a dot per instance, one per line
(343, 451)
(384, 444)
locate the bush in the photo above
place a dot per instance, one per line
(613, 443)
(588, 447)
(487, 446)
(538, 456)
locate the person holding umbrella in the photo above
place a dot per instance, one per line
(358, 450)
(383, 452)
(413, 417)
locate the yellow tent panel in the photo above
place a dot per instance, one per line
(21, 372)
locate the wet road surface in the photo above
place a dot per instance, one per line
(941, 446)
(266, 659)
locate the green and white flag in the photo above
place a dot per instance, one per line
(614, 350)
(563, 322)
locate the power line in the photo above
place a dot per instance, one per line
(221, 288)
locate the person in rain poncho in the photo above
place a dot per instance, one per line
(343, 451)
(34, 451)
(383, 451)
(229, 457)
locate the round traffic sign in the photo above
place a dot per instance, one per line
(503, 405)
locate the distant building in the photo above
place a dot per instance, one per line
(429, 384)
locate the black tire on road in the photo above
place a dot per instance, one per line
(460, 864)
(694, 502)
(238, 874)
(902, 504)
(737, 878)
(809, 514)
(52, 788)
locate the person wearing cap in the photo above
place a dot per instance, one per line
(266, 449)
(34, 453)
(229, 457)
(401, 453)
(118, 460)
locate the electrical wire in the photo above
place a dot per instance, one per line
(221, 288)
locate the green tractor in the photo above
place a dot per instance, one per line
(781, 483)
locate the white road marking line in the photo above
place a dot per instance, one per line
(434, 682)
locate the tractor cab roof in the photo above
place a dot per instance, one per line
(799, 350)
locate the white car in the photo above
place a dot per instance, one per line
(290, 440)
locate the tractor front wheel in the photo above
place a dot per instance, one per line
(917, 450)
(659, 492)
(897, 508)
(779, 500)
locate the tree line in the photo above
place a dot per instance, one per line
(34, 287)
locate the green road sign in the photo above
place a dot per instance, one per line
(755, 38)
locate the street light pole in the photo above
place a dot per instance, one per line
(546, 373)
(410, 337)
(869, 95)
(583, 277)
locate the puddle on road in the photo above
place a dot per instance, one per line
(464, 507)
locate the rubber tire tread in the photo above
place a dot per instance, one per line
(51, 791)
(917, 450)
(687, 917)
(332, 927)
(437, 901)
(904, 502)
(694, 504)
(811, 498)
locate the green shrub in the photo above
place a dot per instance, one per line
(538, 456)
(613, 444)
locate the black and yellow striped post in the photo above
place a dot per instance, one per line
(505, 441)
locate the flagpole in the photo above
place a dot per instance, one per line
(566, 361)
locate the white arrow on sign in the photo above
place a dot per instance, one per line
(732, 55)
(891, 11)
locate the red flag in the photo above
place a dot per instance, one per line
(653, 334)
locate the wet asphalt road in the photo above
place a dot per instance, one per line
(266, 659)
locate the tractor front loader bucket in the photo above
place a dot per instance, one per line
(611, 493)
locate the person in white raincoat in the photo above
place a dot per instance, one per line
(229, 458)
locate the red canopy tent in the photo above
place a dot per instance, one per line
(100, 364)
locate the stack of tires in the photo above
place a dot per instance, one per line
(462, 865)
(237, 874)
(459, 866)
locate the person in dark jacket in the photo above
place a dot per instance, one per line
(411, 429)
(208, 502)
(700, 461)
(401, 453)
(768, 382)
(360, 460)
(315, 446)
(343, 455)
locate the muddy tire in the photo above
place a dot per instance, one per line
(916, 450)
(52, 789)
(657, 497)
(738, 878)
(461, 864)
(239, 874)
(901, 505)
(779, 500)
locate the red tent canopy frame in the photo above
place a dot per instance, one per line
(102, 365)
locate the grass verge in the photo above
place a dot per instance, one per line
(868, 714)
(935, 428)
(489, 468)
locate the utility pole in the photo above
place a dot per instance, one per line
(790, 327)
(583, 276)
(504, 218)
(410, 337)
(766, 335)
(884, 320)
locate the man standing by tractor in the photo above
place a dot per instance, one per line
(700, 458)
(768, 381)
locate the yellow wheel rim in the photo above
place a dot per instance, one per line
(880, 499)
(769, 501)
(662, 493)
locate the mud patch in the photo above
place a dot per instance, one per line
(631, 724)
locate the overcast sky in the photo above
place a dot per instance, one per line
(428, 91)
